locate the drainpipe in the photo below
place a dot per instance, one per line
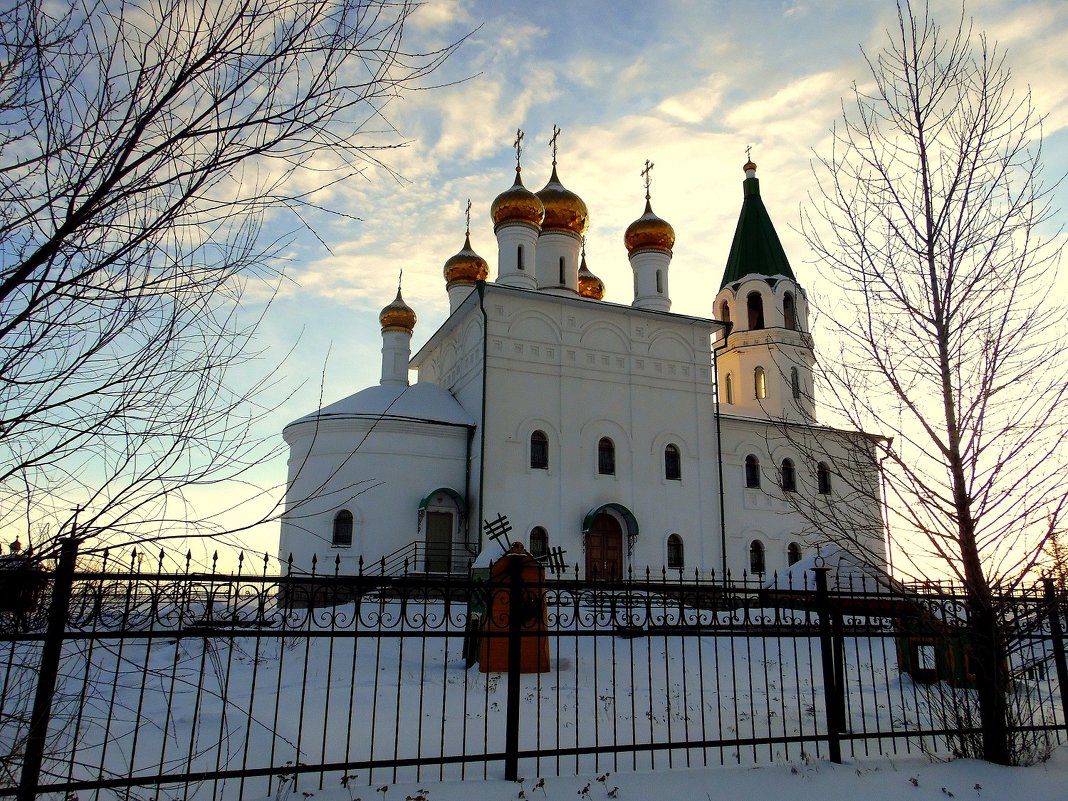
(719, 457)
(467, 488)
(480, 287)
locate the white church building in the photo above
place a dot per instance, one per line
(628, 436)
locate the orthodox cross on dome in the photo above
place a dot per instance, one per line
(748, 152)
(400, 279)
(584, 246)
(552, 141)
(646, 175)
(468, 214)
(518, 145)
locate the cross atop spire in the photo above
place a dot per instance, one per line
(400, 279)
(468, 214)
(518, 145)
(552, 141)
(647, 177)
(748, 152)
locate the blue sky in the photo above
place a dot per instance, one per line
(687, 84)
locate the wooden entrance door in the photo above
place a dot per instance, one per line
(604, 548)
(438, 542)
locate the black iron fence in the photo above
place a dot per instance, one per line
(145, 685)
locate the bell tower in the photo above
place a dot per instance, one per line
(766, 368)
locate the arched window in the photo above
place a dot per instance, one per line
(562, 281)
(789, 476)
(795, 383)
(760, 383)
(539, 451)
(672, 463)
(675, 554)
(342, 537)
(519, 257)
(755, 304)
(729, 387)
(539, 542)
(823, 478)
(793, 553)
(789, 315)
(756, 557)
(606, 457)
(725, 312)
(659, 282)
(752, 471)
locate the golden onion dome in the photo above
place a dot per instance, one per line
(589, 285)
(466, 267)
(649, 232)
(517, 204)
(564, 210)
(749, 165)
(397, 316)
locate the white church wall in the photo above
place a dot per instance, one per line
(380, 477)
(587, 370)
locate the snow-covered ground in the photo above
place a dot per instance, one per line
(883, 779)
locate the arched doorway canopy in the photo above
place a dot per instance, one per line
(456, 497)
(627, 515)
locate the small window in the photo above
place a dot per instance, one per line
(795, 383)
(823, 478)
(793, 553)
(760, 383)
(756, 557)
(672, 463)
(539, 542)
(789, 315)
(729, 386)
(606, 457)
(725, 312)
(562, 281)
(539, 451)
(789, 476)
(752, 471)
(519, 257)
(755, 304)
(675, 554)
(659, 282)
(342, 529)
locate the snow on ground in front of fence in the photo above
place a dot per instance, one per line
(911, 779)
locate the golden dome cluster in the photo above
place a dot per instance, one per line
(397, 316)
(589, 285)
(649, 232)
(564, 210)
(466, 267)
(517, 204)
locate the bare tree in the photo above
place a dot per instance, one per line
(143, 145)
(931, 211)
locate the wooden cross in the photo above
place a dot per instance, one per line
(518, 145)
(468, 213)
(552, 142)
(497, 530)
(645, 175)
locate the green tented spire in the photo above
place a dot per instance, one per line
(756, 248)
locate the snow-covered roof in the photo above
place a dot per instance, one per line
(423, 402)
(847, 574)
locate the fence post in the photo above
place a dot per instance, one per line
(830, 688)
(515, 632)
(1058, 644)
(46, 677)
